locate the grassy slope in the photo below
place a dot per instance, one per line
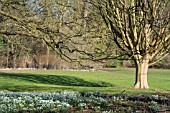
(110, 81)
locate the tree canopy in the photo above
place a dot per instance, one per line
(140, 29)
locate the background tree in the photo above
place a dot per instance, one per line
(53, 21)
(140, 29)
(65, 26)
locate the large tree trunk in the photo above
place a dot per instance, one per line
(141, 75)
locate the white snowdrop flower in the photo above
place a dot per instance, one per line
(153, 102)
(82, 104)
(15, 100)
(19, 98)
(21, 105)
(42, 101)
(25, 109)
(31, 105)
(57, 102)
(65, 104)
(6, 99)
(59, 105)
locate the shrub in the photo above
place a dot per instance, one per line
(114, 63)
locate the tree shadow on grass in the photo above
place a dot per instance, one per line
(33, 88)
(62, 80)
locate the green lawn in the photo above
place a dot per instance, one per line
(108, 81)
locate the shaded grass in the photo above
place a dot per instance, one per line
(62, 80)
(106, 81)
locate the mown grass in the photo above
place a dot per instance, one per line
(119, 80)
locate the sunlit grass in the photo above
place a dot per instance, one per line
(118, 80)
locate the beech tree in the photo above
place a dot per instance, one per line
(140, 28)
(53, 21)
(67, 26)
